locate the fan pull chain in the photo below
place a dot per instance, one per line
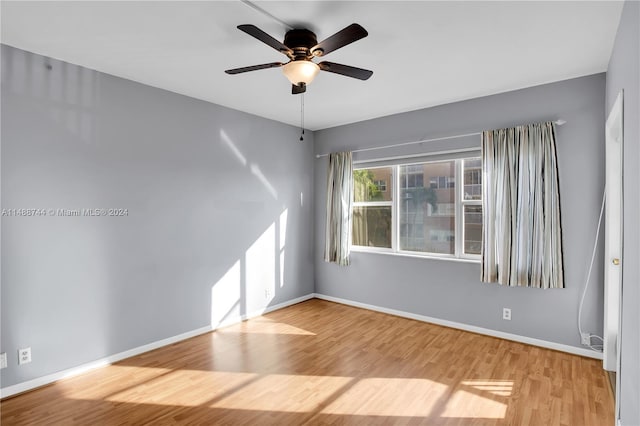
(302, 116)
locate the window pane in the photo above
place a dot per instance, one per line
(472, 179)
(472, 229)
(381, 185)
(372, 184)
(443, 209)
(372, 226)
(422, 227)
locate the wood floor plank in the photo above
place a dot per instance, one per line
(324, 363)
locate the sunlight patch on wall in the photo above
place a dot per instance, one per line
(225, 296)
(234, 149)
(255, 169)
(282, 242)
(260, 269)
(388, 397)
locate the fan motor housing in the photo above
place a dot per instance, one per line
(300, 41)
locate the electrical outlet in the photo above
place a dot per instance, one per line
(506, 314)
(3, 360)
(24, 356)
(585, 338)
(267, 293)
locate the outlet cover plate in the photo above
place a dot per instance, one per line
(3, 360)
(585, 338)
(24, 356)
(506, 314)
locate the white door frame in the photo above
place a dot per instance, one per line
(613, 261)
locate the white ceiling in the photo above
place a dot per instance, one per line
(423, 53)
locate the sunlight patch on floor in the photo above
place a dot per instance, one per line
(265, 326)
(397, 397)
(100, 383)
(388, 397)
(163, 390)
(465, 404)
(301, 394)
(495, 387)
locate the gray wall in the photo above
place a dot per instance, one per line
(206, 190)
(624, 74)
(451, 290)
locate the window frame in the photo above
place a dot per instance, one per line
(394, 186)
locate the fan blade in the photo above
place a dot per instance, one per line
(254, 68)
(359, 73)
(256, 32)
(348, 35)
(296, 89)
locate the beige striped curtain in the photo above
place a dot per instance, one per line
(522, 235)
(339, 203)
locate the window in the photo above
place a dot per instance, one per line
(472, 205)
(372, 215)
(419, 209)
(419, 205)
(381, 184)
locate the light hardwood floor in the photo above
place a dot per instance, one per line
(323, 363)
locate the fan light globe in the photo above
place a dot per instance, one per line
(301, 71)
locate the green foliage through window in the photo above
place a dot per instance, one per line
(364, 188)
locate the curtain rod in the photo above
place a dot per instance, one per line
(421, 155)
(559, 122)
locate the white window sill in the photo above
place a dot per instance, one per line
(366, 250)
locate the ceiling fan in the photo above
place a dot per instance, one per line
(301, 46)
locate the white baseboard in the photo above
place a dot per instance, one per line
(466, 327)
(74, 371)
